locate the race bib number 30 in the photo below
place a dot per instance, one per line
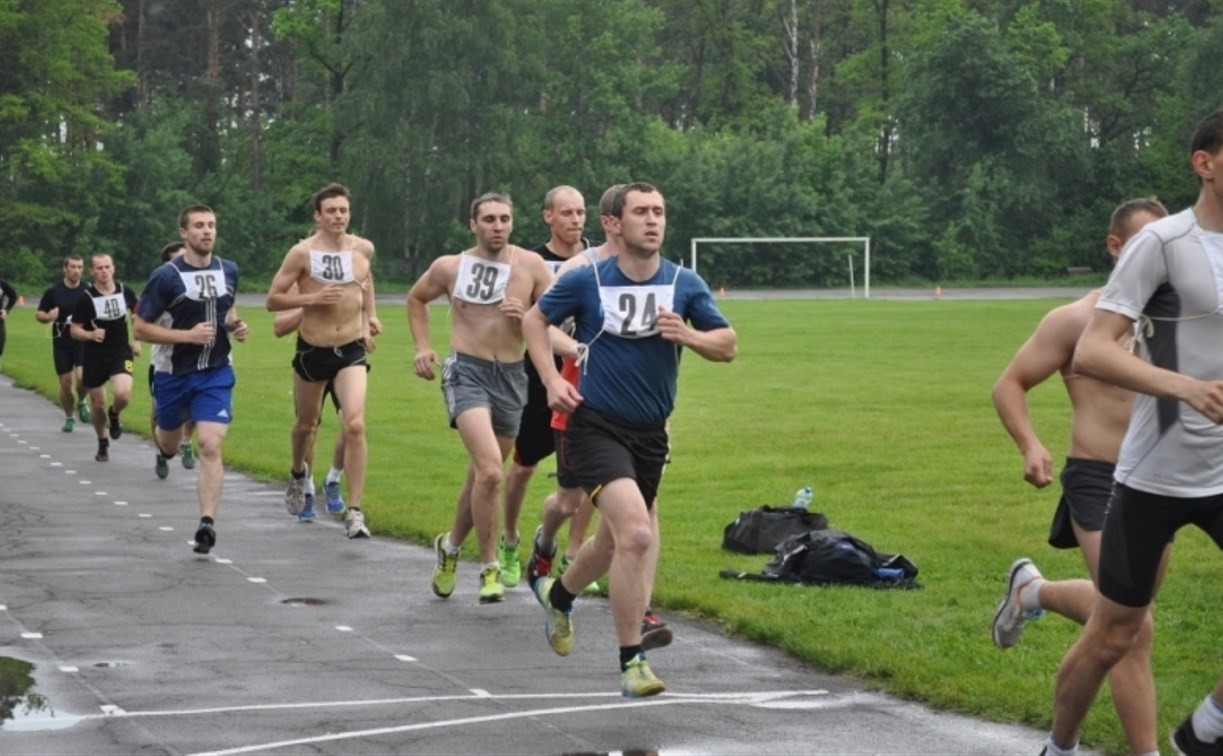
(331, 267)
(203, 285)
(631, 312)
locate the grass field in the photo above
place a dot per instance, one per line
(882, 406)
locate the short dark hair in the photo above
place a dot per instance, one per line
(1128, 209)
(609, 198)
(489, 197)
(617, 207)
(185, 216)
(168, 251)
(72, 256)
(1208, 134)
(327, 192)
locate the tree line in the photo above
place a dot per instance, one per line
(970, 139)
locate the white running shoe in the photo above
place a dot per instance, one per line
(354, 524)
(295, 494)
(1010, 616)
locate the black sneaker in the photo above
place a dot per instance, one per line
(1185, 741)
(116, 429)
(539, 565)
(205, 539)
(103, 451)
(654, 632)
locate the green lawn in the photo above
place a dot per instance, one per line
(882, 406)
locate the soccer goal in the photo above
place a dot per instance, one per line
(865, 241)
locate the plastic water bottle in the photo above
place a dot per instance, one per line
(802, 497)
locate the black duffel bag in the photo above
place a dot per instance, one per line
(759, 531)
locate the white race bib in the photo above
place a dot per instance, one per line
(481, 281)
(203, 285)
(331, 267)
(110, 306)
(631, 312)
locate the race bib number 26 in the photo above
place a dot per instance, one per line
(203, 285)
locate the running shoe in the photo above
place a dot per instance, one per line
(507, 558)
(69, 424)
(638, 680)
(335, 501)
(592, 589)
(443, 572)
(559, 625)
(1185, 741)
(539, 565)
(103, 454)
(205, 538)
(82, 411)
(112, 418)
(1010, 616)
(162, 467)
(188, 452)
(295, 494)
(354, 524)
(307, 513)
(492, 590)
(654, 632)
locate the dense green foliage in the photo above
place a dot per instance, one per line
(882, 406)
(968, 138)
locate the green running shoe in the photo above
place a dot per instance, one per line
(443, 573)
(188, 452)
(511, 568)
(492, 590)
(162, 468)
(638, 680)
(559, 626)
(82, 411)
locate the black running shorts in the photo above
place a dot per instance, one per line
(600, 449)
(324, 363)
(1138, 527)
(101, 365)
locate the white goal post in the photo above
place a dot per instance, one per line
(865, 241)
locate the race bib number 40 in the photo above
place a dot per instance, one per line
(631, 312)
(110, 306)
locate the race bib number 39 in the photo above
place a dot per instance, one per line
(631, 312)
(203, 285)
(481, 281)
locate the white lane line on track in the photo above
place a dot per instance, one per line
(741, 697)
(332, 737)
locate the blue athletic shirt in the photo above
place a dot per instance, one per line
(180, 296)
(629, 376)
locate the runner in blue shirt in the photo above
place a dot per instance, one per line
(632, 315)
(188, 304)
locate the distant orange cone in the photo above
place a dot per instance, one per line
(20, 301)
(938, 292)
(721, 291)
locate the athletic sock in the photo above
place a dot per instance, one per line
(1053, 749)
(507, 543)
(448, 547)
(560, 598)
(333, 475)
(627, 654)
(1208, 721)
(1029, 595)
(490, 565)
(206, 521)
(298, 475)
(309, 487)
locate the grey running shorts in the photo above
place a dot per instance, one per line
(500, 387)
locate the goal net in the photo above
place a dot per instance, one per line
(844, 261)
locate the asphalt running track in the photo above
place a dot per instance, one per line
(289, 638)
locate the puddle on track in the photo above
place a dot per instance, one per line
(21, 708)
